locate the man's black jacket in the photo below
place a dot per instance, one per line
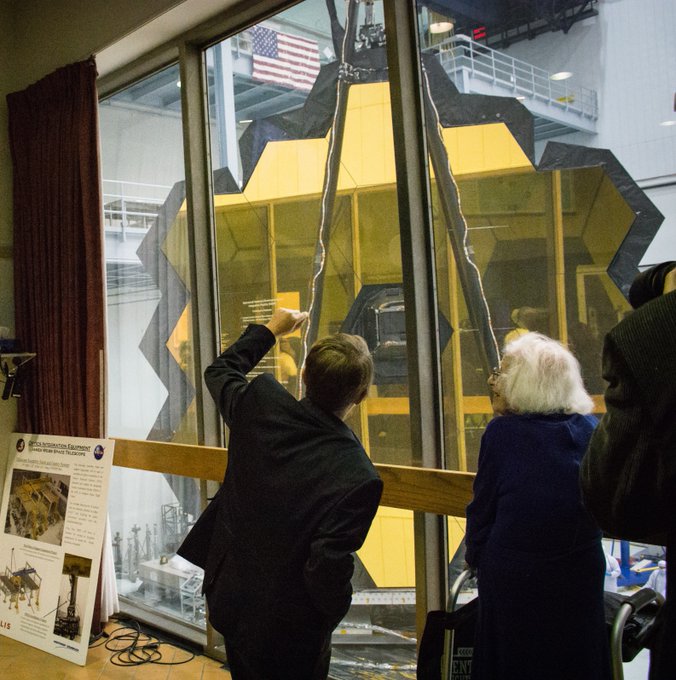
(297, 500)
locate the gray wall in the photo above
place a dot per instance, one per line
(628, 55)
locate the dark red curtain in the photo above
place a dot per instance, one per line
(58, 252)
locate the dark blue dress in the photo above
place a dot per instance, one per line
(538, 553)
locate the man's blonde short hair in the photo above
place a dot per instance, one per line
(338, 371)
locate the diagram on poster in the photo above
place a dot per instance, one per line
(54, 507)
(20, 584)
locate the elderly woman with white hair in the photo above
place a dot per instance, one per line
(537, 552)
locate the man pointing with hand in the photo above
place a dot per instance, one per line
(297, 500)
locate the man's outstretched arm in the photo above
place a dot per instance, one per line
(226, 377)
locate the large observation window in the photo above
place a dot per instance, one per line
(518, 247)
(306, 216)
(151, 385)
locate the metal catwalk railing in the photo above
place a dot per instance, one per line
(522, 79)
(131, 206)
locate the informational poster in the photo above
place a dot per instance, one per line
(53, 512)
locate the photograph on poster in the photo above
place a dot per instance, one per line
(72, 596)
(37, 505)
(20, 584)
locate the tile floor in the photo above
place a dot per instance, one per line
(22, 662)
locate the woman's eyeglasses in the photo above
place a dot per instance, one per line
(495, 373)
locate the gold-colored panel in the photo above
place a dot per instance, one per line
(388, 553)
(368, 148)
(607, 224)
(480, 149)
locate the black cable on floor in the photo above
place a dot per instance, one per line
(132, 647)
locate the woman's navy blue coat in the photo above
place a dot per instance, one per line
(538, 554)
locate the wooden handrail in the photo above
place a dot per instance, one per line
(442, 492)
(187, 460)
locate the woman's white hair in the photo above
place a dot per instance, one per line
(542, 376)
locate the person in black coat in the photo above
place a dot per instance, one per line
(298, 498)
(537, 551)
(628, 474)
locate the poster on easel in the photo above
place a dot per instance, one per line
(53, 514)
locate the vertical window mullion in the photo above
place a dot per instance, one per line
(203, 270)
(417, 245)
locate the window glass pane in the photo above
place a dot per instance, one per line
(306, 217)
(151, 384)
(495, 239)
(517, 248)
(595, 220)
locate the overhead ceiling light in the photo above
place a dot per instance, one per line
(520, 97)
(561, 75)
(248, 120)
(441, 27)
(667, 123)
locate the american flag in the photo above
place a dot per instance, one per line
(284, 59)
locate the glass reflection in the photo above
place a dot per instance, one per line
(306, 217)
(541, 241)
(150, 368)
